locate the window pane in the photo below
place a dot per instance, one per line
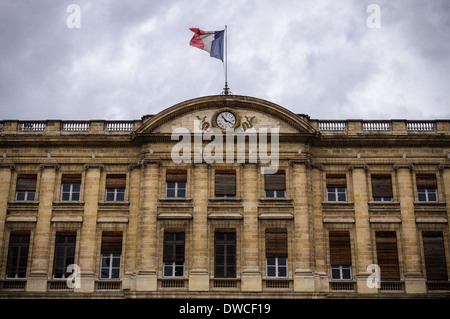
(282, 261)
(110, 195)
(75, 197)
(182, 185)
(20, 196)
(120, 197)
(66, 188)
(282, 271)
(115, 273)
(65, 196)
(181, 192)
(179, 270)
(335, 273)
(116, 262)
(76, 188)
(170, 185)
(30, 196)
(170, 192)
(346, 273)
(331, 194)
(270, 194)
(377, 199)
(432, 197)
(271, 271)
(341, 197)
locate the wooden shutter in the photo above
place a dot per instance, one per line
(178, 175)
(275, 182)
(225, 182)
(426, 181)
(276, 242)
(173, 246)
(115, 180)
(26, 182)
(111, 243)
(340, 251)
(336, 180)
(387, 254)
(382, 186)
(435, 263)
(71, 179)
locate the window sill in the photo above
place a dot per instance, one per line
(273, 200)
(175, 199)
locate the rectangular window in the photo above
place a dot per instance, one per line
(225, 183)
(176, 183)
(70, 187)
(276, 252)
(115, 187)
(26, 187)
(387, 255)
(173, 254)
(382, 188)
(340, 255)
(275, 184)
(426, 187)
(16, 265)
(336, 187)
(64, 255)
(434, 251)
(225, 254)
(111, 255)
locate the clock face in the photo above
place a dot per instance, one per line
(226, 120)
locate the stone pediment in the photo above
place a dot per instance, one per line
(249, 112)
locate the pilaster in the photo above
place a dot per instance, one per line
(251, 274)
(414, 278)
(37, 279)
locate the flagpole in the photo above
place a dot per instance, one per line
(226, 90)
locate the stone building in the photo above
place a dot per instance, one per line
(171, 206)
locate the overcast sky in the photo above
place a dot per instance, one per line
(317, 57)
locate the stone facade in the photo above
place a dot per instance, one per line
(310, 152)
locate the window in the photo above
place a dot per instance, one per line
(16, 265)
(111, 255)
(340, 255)
(387, 255)
(176, 183)
(426, 187)
(64, 255)
(275, 184)
(70, 187)
(173, 254)
(26, 187)
(336, 188)
(434, 251)
(381, 188)
(225, 183)
(115, 187)
(225, 254)
(276, 252)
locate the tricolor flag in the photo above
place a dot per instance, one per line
(210, 41)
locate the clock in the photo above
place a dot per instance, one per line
(225, 120)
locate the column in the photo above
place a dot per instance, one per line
(5, 183)
(88, 243)
(414, 278)
(146, 279)
(303, 276)
(37, 280)
(199, 276)
(363, 246)
(131, 240)
(251, 274)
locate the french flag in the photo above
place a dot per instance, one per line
(210, 41)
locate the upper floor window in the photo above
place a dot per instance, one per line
(176, 183)
(225, 254)
(336, 187)
(70, 187)
(26, 187)
(275, 185)
(111, 255)
(64, 255)
(340, 255)
(115, 187)
(173, 254)
(426, 187)
(225, 183)
(381, 187)
(276, 252)
(16, 265)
